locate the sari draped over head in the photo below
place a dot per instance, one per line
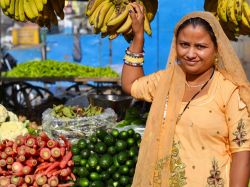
(152, 168)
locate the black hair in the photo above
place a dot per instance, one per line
(201, 22)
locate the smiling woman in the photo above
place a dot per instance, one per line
(199, 122)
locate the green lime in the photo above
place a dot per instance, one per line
(98, 168)
(93, 161)
(130, 142)
(131, 132)
(109, 140)
(97, 183)
(105, 176)
(115, 133)
(94, 176)
(106, 161)
(111, 150)
(83, 182)
(76, 159)
(82, 144)
(101, 133)
(100, 147)
(91, 146)
(122, 157)
(83, 162)
(111, 169)
(123, 135)
(75, 150)
(120, 145)
(83, 172)
(93, 139)
(138, 143)
(137, 136)
(131, 172)
(133, 151)
(124, 180)
(116, 176)
(129, 163)
(85, 153)
(75, 170)
(123, 170)
(116, 163)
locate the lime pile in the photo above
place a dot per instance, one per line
(106, 158)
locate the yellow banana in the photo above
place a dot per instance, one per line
(2, 4)
(39, 5)
(21, 10)
(101, 14)
(230, 12)
(147, 27)
(92, 5)
(238, 9)
(113, 36)
(120, 16)
(125, 26)
(33, 7)
(11, 9)
(107, 17)
(150, 9)
(244, 21)
(28, 10)
(246, 10)
(44, 2)
(7, 3)
(16, 10)
(92, 17)
(222, 9)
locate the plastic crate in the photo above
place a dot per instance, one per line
(26, 35)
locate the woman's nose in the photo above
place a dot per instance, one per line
(191, 53)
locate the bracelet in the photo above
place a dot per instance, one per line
(133, 64)
(134, 54)
(134, 59)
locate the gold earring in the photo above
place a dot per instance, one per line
(216, 61)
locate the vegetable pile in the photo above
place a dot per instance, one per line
(51, 68)
(62, 111)
(106, 159)
(36, 161)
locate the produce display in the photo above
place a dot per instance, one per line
(52, 68)
(106, 159)
(111, 17)
(62, 111)
(36, 161)
(42, 12)
(234, 16)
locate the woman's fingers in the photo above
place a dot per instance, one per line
(137, 8)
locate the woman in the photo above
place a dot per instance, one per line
(198, 129)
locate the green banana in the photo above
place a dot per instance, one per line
(27, 10)
(39, 5)
(238, 9)
(101, 14)
(92, 5)
(120, 16)
(21, 10)
(230, 12)
(222, 10)
(125, 26)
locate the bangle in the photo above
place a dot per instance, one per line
(134, 54)
(133, 64)
(134, 59)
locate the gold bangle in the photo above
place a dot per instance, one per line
(133, 64)
(133, 59)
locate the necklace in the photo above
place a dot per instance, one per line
(204, 85)
(194, 86)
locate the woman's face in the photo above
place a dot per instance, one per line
(195, 49)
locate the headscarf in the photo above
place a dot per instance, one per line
(152, 169)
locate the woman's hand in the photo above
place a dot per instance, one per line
(137, 16)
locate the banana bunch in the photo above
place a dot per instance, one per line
(234, 16)
(43, 12)
(111, 17)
